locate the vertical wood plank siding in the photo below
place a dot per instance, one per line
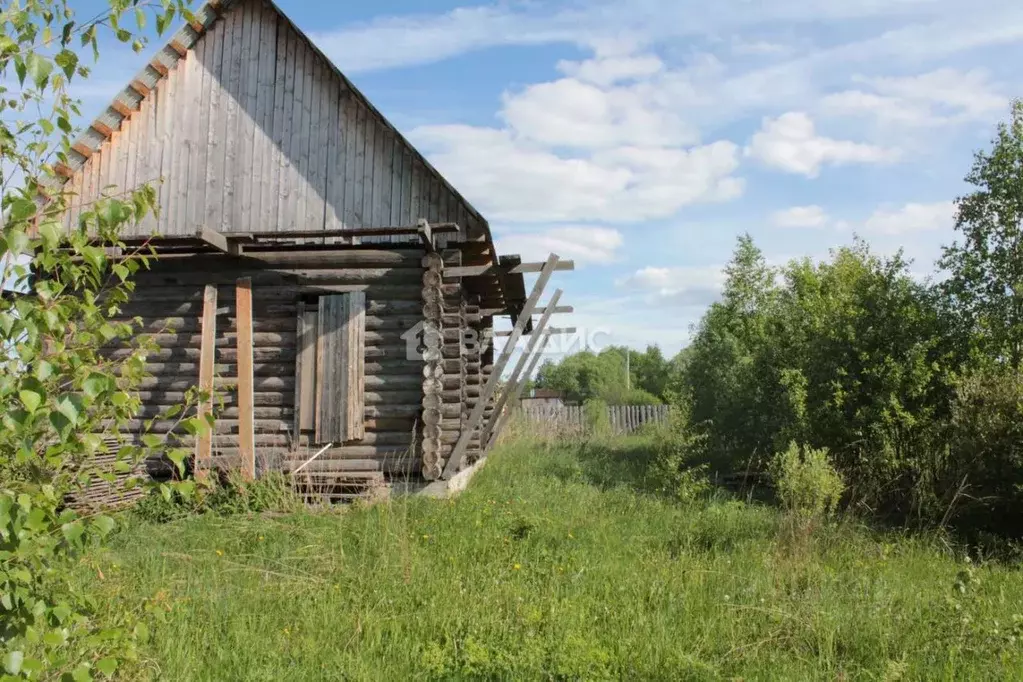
(252, 131)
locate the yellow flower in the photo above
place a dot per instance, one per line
(571, 537)
(286, 631)
(517, 567)
(220, 552)
(260, 538)
(426, 537)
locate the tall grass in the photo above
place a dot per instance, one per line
(556, 564)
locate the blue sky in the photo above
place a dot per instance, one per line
(640, 137)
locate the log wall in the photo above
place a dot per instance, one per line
(414, 409)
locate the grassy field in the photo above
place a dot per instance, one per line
(556, 564)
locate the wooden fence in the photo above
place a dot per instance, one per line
(623, 418)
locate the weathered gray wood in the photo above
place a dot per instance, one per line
(503, 417)
(512, 387)
(341, 376)
(475, 417)
(206, 362)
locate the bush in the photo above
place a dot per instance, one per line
(806, 482)
(679, 446)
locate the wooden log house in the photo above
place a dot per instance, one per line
(313, 267)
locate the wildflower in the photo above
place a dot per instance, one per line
(260, 538)
(571, 537)
(286, 631)
(517, 566)
(426, 537)
(220, 552)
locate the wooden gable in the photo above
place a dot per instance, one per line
(254, 130)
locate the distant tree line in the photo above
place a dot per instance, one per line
(616, 375)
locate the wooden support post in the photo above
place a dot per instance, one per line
(246, 399)
(426, 235)
(476, 416)
(517, 391)
(516, 374)
(207, 352)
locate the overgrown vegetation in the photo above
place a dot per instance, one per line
(615, 375)
(913, 388)
(559, 562)
(60, 396)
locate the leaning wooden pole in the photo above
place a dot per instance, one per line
(207, 351)
(516, 390)
(246, 399)
(516, 374)
(476, 416)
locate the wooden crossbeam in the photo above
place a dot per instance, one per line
(521, 365)
(552, 330)
(490, 312)
(207, 351)
(439, 228)
(246, 397)
(476, 416)
(516, 392)
(218, 241)
(494, 269)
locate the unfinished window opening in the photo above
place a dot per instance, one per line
(330, 368)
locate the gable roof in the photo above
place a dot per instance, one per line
(149, 79)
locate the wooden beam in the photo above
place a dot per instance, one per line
(494, 269)
(426, 235)
(218, 241)
(197, 26)
(411, 231)
(178, 47)
(157, 66)
(207, 352)
(246, 398)
(139, 87)
(475, 417)
(552, 330)
(516, 393)
(521, 365)
(63, 170)
(82, 149)
(102, 129)
(122, 108)
(490, 312)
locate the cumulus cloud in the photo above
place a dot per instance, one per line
(911, 218)
(790, 143)
(800, 216)
(682, 286)
(941, 97)
(584, 244)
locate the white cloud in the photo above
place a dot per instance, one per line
(584, 244)
(790, 143)
(801, 216)
(934, 26)
(574, 113)
(911, 218)
(519, 180)
(944, 96)
(683, 286)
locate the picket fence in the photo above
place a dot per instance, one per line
(623, 418)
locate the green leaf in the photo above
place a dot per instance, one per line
(107, 666)
(30, 399)
(13, 661)
(73, 531)
(142, 632)
(38, 69)
(178, 457)
(95, 384)
(152, 441)
(140, 18)
(104, 524)
(70, 406)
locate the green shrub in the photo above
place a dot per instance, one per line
(805, 481)
(678, 447)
